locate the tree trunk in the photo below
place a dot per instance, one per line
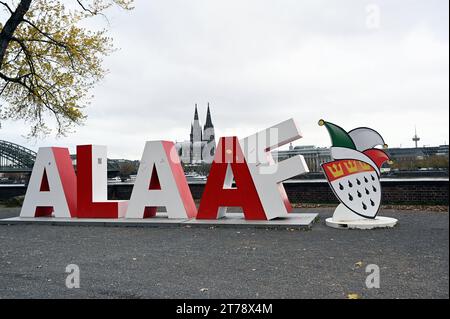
(10, 27)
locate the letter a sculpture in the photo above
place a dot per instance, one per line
(354, 176)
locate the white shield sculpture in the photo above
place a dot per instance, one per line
(354, 177)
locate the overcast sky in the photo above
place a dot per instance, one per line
(261, 62)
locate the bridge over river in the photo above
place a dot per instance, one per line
(15, 158)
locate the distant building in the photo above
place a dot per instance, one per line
(314, 156)
(417, 153)
(202, 142)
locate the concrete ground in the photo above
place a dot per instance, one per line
(180, 262)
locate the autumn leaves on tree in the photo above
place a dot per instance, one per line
(49, 63)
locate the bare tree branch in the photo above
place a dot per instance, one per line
(7, 6)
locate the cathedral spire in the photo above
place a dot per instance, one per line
(208, 122)
(196, 113)
(196, 128)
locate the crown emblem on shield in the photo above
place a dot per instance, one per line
(336, 170)
(351, 166)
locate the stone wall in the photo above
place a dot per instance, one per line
(404, 192)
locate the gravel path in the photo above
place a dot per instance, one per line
(120, 262)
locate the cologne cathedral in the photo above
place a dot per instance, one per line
(202, 143)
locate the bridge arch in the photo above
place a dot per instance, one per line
(14, 157)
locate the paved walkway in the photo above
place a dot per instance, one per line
(227, 263)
